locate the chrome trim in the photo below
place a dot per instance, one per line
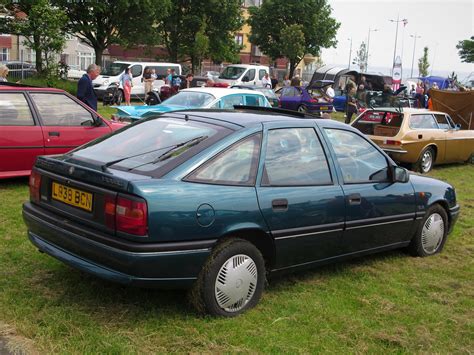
(380, 224)
(394, 151)
(307, 234)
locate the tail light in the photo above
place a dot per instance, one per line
(127, 214)
(35, 184)
(313, 100)
(393, 142)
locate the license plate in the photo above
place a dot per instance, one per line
(71, 196)
(323, 108)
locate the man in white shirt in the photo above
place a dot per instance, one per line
(330, 92)
(266, 82)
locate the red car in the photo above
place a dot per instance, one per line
(39, 121)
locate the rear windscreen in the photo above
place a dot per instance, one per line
(379, 123)
(150, 145)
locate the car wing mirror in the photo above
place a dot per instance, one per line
(457, 127)
(400, 174)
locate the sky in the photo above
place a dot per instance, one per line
(441, 24)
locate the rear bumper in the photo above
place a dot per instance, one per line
(320, 108)
(158, 265)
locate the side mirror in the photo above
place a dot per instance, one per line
(457, 127)
(245, 79)
(400, 174)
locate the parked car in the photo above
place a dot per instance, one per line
(111, 75)
(417, 137)
(269, 93)
(204, 97)
(19, 70)
(75, 72)
(311, 99)
(37, 121)
(217, 200)
(243, 74)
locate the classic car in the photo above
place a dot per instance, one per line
(204, 97)
(217, 200)
(36, 121)
(418, 137)
(311, 98)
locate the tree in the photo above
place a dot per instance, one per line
(202, 28)
(271, 22)
(106, 22)
(423, 64)
(466, 50)
(43, 29)
(361, 57)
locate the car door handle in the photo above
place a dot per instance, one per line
(53, 134)
(354, 199)
(280, 204)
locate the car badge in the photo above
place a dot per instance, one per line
(71, 170)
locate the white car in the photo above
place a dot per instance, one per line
(74, 72)
(204, 97)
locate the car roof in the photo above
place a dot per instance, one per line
(220, 92)
(19, 87)
(409, 110)
(246, 117)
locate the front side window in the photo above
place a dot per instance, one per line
(443, 121)
(359, 160)
(295, 157)
(289, 92)
(136, 70)
(61, 110)
(237, 165)
(232, 73)
(254, 100)
(14, 110)
(425, 121)
(261, 73)
(250, 74)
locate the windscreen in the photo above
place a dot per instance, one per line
(150, 144)
(379, 123)
(114, 69)
(190, 99)
(232, 73)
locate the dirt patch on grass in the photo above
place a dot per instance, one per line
(11, 343)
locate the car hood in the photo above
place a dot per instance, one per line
(138, 112)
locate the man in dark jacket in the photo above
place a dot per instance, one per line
(85, 90)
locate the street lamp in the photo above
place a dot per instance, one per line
(413, 58)
(396, 36)
(368, 45)
(350, 53)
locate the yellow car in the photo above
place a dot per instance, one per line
(420, 138)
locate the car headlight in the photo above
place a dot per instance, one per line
(106, 82)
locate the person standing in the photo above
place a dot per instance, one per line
(3, 73)
(169, 77)
(85, 89)
(148, 80)
(266, 82)
(126, 82)
(286, 81)
(274, 81)
(188, 81)
(351, 104)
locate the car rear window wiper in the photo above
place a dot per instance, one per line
(188, 144)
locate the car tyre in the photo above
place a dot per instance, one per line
(431, 235)
(302, 109)
(426, 161)
(232, 280)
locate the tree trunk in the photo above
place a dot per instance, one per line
(98, 55)
(292, 67)
(38, 54)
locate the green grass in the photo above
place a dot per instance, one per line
(387, 303)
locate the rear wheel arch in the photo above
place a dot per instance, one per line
(260, 239)
(432, 146)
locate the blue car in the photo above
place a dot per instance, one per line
(203, 97)
(216, 201)
(311, 99)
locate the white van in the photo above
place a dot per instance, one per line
(243, 74)
(111, 75)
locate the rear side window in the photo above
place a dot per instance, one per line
(14, 110)
(254, 100)
(261, 73)
(136, 70)
(295, 157)
(60, 110)
(289, 92)
(426, 121)
(228, 102)
(237, 165)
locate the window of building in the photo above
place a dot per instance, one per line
(239, 39)
(4, 54)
